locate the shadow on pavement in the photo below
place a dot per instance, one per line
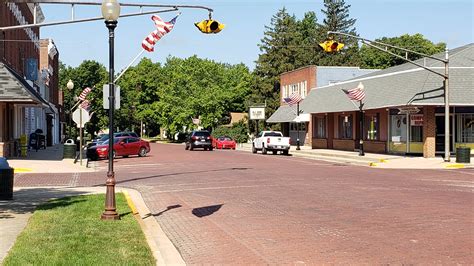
(26, 200)
(161, 212)
(206, 211)
(183, 173)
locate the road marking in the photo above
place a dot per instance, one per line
(135, 165)
(23, 170)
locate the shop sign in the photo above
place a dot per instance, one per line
(257, 113)
(408, 110)
(416, 120)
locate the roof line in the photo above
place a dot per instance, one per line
(385, 75)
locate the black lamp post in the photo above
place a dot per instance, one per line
(111, 12)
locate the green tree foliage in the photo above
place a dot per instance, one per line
(238, 131)
(337, 19)
(287, 45)
(88, 74)
(169, 96)
(374, 58)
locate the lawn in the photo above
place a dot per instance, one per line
(69, 231)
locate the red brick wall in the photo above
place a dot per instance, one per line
(429, 132)
(307, 74)
(14, 52)
(344, 144)
(375, 146)
(319, 143)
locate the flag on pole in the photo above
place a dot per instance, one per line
(162, 28)
(84, 93)
(86, 105)
(357, 93)
(293, 99)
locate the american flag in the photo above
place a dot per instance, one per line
(293, 99)
(162, 28)
(84, 93)
(357, 93)
(86, 105)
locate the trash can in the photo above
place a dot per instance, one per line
(6, 180)
(463, 155)
(69, 150)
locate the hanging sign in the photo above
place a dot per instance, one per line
(408, 110)
(257, 113)
(416, 120)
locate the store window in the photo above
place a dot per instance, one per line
(319, 127)
(398, 128)
(416, 128)
(372, 125)
(345, 126)
(465, 128)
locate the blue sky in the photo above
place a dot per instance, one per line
(449, 21)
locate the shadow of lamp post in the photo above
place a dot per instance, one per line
(110, 12)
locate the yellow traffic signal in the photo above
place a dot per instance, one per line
(331, 46)
(209, 26)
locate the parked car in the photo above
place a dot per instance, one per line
(271, 141)
(123, 146)
(199, 139)
(224, 142)
(104, 137)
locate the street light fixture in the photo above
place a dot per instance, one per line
(111, 12)
(70, 85)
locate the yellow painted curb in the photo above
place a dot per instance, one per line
(130, 203)
(23, 170)
(454, 165)
(373, 164)
(382, 160)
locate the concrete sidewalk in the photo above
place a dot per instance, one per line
(49, 160)
(387, 161)
(14, 215)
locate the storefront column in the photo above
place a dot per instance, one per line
(429, 132)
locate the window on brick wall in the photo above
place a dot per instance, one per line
(319, 127)
(372, 126)
(345, 126)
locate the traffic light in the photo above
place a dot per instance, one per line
(209, 26)
(331, 46)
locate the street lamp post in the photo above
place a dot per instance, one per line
(111, 12)
(70, 86)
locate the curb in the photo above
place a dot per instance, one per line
(163, 250)
(454, 165)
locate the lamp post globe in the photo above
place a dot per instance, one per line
(70, 85)
(111, 12)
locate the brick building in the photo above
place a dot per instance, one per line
(29, 95)
(388, 128)
(301, 81)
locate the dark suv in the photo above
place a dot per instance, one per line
(199, 139)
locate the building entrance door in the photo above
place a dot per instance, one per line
(440, 133)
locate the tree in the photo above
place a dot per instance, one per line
(373, 58)
(337, 19)
(88, 74)
(169, 96)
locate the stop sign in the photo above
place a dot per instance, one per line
(76, 117)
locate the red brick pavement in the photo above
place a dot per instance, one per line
(282, 210)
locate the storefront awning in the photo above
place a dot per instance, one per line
(285, 114)
(14, 88)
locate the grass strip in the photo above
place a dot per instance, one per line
(69, 231)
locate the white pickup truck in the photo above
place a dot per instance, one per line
(271, 141)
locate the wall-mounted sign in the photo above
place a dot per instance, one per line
(257, 113)
(416, 120)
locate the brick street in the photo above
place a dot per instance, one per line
(232, 207)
